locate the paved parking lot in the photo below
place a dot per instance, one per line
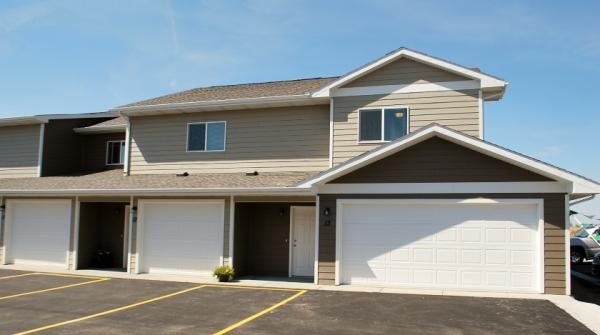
(58, 304)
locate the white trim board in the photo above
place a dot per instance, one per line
(409, 88)
(486, 81)
(577, 184)
(539, 203)
(443, 188)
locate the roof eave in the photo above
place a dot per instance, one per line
(229, 103)
(280, 191)
(21, 121)
(101, 130)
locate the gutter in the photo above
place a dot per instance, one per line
(21, 121)
(580, 200)
(133, 110)
(284, 191)
(100, 130)
(39, 119)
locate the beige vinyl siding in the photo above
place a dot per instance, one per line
(19, 147)
(267, 140)
(405, 71)
(458, 110)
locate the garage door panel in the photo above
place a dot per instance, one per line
(182, 237)
(39, 231)
(459, 246)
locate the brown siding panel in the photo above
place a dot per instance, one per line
(93, 155)
(63, 147)
(438, 161)
(554, 217)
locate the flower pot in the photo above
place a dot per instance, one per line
(224, 278)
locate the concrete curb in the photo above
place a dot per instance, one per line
(583, 312)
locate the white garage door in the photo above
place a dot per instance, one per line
(440, 244)
(37, 232)
(180, 237)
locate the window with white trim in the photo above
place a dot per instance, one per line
(115, 152)
(206, 136)
(382, 124)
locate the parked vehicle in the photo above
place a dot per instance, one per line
(585, 244)
(596, 265)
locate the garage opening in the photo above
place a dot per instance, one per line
(180, 237)
(103, 229)
(37, 232)
(491, 245)
(275, 240)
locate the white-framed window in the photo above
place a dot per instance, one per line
(206, 136)
(115, 152)
(382, 124)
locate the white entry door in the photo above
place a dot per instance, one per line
(489, 245)
(37, 232)
(180, 236)
(302, 235)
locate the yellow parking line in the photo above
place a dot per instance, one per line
(67, 275)
(119, 309)
(256, 288)
(53, 288)
(259, 314)
(17, 276)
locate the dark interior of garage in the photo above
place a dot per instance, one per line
(261, 236)
(102, 231)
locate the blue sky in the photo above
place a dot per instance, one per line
(63, 56)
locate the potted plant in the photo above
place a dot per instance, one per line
(224, 273)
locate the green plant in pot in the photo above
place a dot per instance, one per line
(224, 273)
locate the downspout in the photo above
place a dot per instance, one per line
(126, 164)
(331, 132)
(41, 149)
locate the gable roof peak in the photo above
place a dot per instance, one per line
(486, 82)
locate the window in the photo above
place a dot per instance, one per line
(115, 152)
(382, 124)
(206, 136)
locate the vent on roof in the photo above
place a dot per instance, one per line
(253, 173)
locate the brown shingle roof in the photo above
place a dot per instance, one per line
(241, 91)
(114, 180)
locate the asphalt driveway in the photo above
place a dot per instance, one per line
(57, 304)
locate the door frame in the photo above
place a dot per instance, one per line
(539, 203)
(126, 235)
(291, 239)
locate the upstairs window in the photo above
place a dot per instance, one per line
(206, 136)
(382, 124)
(115, 152)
